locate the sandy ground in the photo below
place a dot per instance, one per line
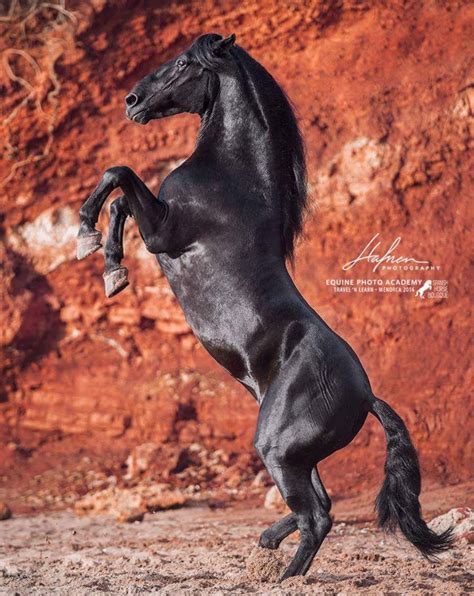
(202, 551)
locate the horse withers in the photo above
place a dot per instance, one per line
(223, 227)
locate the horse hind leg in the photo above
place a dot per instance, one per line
(116, 276)
(320, 490)
(273, 536)
(312, 518)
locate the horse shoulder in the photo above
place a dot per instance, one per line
(175, 185)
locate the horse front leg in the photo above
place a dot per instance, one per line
(88, 238)
(116, 276)
(156, 222)
(143, 206)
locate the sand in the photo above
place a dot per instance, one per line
(203, 551)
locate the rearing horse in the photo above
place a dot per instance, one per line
(223, 226)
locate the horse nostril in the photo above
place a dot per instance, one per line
(131, 100)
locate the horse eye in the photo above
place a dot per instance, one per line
(181, 63)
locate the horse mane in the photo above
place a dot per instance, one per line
(275, 113)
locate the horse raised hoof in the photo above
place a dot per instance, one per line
(86, 245)
(115, 281)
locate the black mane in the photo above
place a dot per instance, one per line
(276, 114)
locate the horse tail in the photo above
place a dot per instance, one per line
(397, 503)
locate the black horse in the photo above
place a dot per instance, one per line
(223, 227)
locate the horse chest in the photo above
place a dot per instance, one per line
(218, 312)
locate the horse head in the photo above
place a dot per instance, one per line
(183, 84)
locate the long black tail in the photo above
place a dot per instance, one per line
(397, 503)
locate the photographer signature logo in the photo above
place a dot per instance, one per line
(428, 285)
(374, 255)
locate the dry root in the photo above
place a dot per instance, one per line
(37, 58)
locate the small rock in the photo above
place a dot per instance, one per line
(123, 315)
(261, 479)
(274, 501)
(167, 499)
(130, 504)
(70, 313)
(7, 569)
(78, 560)
(130, 516)
(141, 457)
(461, 519)
(5, 511)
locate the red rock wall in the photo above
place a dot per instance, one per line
(384, 93)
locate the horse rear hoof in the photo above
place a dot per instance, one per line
(86, 245)
(115, 281)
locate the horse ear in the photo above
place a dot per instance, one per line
(221, 46)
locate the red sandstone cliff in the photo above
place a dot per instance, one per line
(384, 92)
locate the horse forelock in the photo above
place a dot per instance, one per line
(203, 51)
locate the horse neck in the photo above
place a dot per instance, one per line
(234, 129)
